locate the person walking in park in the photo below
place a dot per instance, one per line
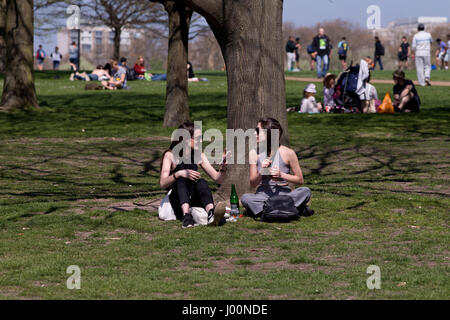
(313, 56)
(404, 52)
(379, 52)
(447, 55)
(282, 168)
(180, 175)
(322, 49)
(298, 47)
(73, 57)
(440, 53)
(290, 53)
(342, 52)
(421, 46)
(56, 58)
(40, 58)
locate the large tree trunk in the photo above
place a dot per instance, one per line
(2, 34)
(117, 35)
(249, 33)
(177, 104)
(253, 51)
(19, 90)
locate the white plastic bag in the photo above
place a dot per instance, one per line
(166, 213)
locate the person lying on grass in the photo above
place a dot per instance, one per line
(97, 74)
(119, 77)
(272, 171)
(406, 98)
(179, 173)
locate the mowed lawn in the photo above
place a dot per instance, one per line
(77, 178)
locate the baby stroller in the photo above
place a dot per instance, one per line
(345, 96)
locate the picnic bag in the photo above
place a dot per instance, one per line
(279, 208)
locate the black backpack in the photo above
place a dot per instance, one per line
(279, 209)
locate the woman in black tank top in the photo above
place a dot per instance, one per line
(181, 176)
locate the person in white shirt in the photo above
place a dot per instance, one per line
(56, 57)
(309, 104)
(422, 47)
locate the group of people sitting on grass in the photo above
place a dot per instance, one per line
(187, 188)
(406, 97)
(114, 75)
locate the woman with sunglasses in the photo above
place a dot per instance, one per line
(187, 187)
(272, 171)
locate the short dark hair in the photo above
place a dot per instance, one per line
(421, 27)
(99, 67)
(344, 38)
(123, 59)
(399, 74)
(438, 40)
(297, 39)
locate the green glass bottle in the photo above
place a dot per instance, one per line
(234, 202)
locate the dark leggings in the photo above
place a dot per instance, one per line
(196, 194)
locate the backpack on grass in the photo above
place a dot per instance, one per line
(280, 208)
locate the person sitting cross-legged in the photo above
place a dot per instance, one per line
(180, 175)
(271, 172)
(119, 77)
(406, 98)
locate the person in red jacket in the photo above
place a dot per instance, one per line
(139, 68)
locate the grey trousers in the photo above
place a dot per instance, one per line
(423, 66)
(255, 201)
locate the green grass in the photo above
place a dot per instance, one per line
(380, 191)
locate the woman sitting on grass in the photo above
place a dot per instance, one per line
(272, 171)
(119, 78)
(181, 176)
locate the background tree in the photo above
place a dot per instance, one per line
(18, 89)
(177, 105)
(182, 27)
(115, 14)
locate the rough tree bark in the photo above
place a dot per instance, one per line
(2, 34)
(177, 104)
(18, 89)
(250, 36)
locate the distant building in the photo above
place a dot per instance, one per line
(96, 42)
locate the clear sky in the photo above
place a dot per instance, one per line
(310, 12)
